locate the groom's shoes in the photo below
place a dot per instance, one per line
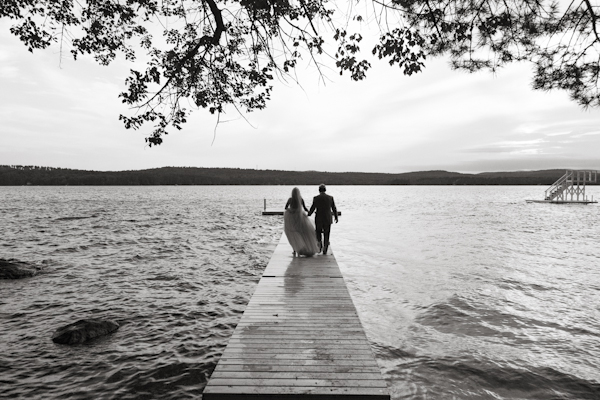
(325, 248)
(320, 246)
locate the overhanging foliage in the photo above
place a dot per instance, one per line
(220, 53)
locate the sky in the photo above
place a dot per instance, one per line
(61, 113)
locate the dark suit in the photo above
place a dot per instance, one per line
(324, 205)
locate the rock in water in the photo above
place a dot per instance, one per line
(13, 269)
(84, 330)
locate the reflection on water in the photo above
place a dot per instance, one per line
(464, 292)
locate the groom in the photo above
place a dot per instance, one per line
(324, 205)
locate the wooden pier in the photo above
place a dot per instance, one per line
(272, 211)
(280, 211)
(299, 338)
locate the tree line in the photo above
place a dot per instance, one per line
(15, 175)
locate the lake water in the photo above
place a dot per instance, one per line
(464, 292)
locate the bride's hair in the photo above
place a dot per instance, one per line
(296, 198)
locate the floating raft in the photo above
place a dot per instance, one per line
(300, 337)
(563, 202)
(569, 189)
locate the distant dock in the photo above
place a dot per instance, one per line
(300, 337)
(273, 212)
(279, 211)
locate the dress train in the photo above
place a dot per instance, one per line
(300, 232)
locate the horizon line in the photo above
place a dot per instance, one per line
(15, 166)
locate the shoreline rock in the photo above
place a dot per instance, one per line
(15, 269)
(84, 330)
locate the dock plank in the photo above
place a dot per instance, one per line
(299, 338)
(299, 393)
(342, 376)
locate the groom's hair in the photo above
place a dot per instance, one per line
(322, 187)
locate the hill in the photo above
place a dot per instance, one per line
(16, 175)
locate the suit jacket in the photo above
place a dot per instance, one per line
(324, 205)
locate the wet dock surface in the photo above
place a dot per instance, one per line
(299, 337)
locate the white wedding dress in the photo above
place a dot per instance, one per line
(300, 231)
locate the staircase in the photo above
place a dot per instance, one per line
(557, 187)
(571, 186)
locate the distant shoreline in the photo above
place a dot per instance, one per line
(46, 176)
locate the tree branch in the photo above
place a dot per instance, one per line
(212, 40)
(594, 19)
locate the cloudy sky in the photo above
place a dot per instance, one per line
(62, 113)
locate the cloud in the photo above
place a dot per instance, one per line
(441, 119)
(593, 133)
(510, 147)
(559, 133)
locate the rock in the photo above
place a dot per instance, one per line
(13, 269)
(84, 330)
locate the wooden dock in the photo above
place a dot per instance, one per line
(299, 338)
(272, 212)
(280, 212)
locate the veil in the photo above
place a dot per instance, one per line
(296, 202)
(298, 228)
(293, 215)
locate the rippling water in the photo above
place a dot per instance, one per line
(464, 292)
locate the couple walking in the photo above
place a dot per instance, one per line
(299, 229)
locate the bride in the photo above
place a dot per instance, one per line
(297, 226)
